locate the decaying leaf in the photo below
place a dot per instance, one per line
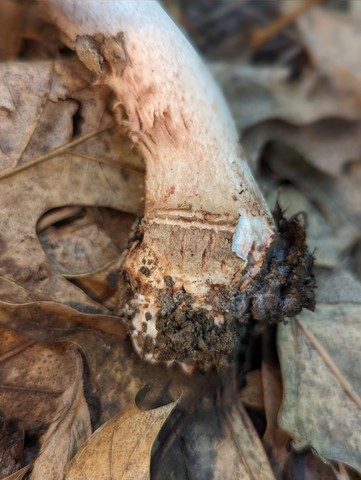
(328, 145)
(275, 440)
(320, 364)
(69, 429)
(333, 40)
(116, 372)
(12, 17)
(211, 439)
(121, 447)
(49, 379)
(258, 94)
(100, 234)
(19, 475)
(44, 169)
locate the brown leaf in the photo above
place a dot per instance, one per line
(77, 241)
(257, 94)
(41, 388)
(19, 475)
(11, 445)
(319, 357)
(328, 144)
(333, 40)
(116, 373)
(121, 447)
(212, 441)
(275, 440)
(67, 432)
(252, 393)
(39, 103)
(12, 16)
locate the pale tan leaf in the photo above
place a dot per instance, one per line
(328, 145)
(248, 444)
(68, 431)
(337, 286)
(121, 447)
(44, 167)
(41, 389)
(252, 393)
(355, 7)
(19, 475)
(256, 95)
(333, 40)
(26, 115)
(117, 372)
(319, 355)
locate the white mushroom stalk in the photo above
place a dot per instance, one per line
(206, 228)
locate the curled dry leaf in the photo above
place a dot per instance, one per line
(215, 440)
(275, 440)
(333, 40)
(49, 378)
(328, 145)
(11, 23)
(257, 94)
(115, 371)
(69, 429)
(319, 356)
(19, 475)
(121, 447)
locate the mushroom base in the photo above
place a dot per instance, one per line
(200, 338)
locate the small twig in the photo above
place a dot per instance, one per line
(259, 37)
(345, 385)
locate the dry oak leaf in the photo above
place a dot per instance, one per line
(19, 475)
(331, 39)
(41, 387)
(216, 440)
(319, 355)
(121, 448)
(329, 144)
(115, 373)
(46, 166)
(257, 94)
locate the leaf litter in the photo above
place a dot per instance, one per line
(71, 197)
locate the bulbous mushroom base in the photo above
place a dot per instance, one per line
(176, 329)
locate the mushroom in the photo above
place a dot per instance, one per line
(207, 231)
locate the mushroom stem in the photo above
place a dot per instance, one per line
(206, 227)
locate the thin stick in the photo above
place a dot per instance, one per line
(330, 364)
(260, 36)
